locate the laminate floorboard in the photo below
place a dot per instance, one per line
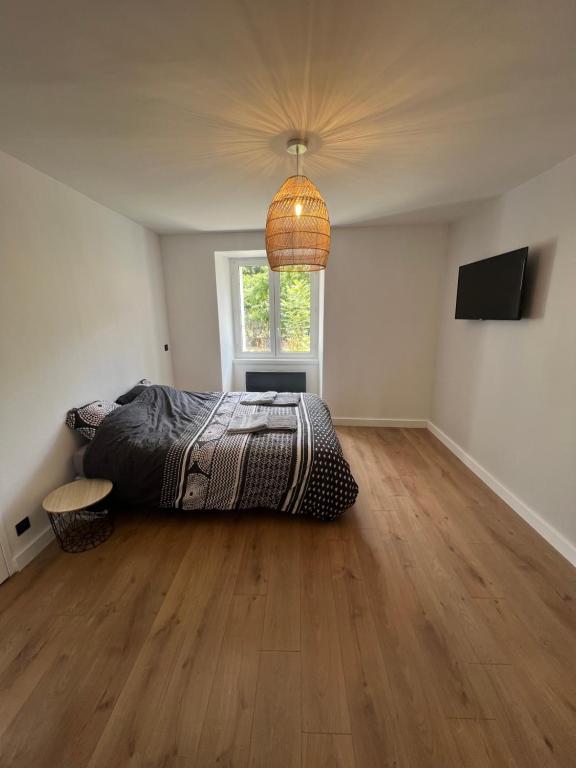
(430, 627)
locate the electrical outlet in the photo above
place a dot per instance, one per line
(22, 526)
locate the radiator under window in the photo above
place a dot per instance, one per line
(278, 381)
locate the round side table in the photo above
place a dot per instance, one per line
(78, 528)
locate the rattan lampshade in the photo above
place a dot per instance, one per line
(297, 228)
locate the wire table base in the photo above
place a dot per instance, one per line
(79, 531)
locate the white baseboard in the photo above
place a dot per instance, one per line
(344, 421)
(36, 546)
(547, 531)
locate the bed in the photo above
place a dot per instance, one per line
(169, 448)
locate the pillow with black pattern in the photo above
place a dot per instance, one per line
(88, 418)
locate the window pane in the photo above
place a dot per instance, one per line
(255, 303)
(295, 315)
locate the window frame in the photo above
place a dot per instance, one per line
(275, 352)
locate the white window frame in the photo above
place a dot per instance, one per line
(275, 352)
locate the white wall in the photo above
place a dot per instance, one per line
(381, 301)
(189, 271)
(506, 391)
(382, 297)
(82, 317)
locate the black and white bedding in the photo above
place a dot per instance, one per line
(171, 448)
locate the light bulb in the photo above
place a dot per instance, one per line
(298, 209)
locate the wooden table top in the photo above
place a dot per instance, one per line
(77, 495)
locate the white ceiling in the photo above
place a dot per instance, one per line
(175, 112)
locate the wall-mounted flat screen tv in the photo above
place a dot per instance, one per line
(491, 289)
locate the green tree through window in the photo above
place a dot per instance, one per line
(295, 295)
(255, 309)
(295, 298)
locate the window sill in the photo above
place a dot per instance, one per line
(275, 361)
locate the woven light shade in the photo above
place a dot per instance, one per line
(297, 228)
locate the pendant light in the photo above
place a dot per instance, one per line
(297, 225)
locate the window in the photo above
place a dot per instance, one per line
(275, 313)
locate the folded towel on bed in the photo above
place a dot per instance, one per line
(280, 399)
(263, 422)
(249, 422)
(285, 422)
(286, 399)
(259, 398)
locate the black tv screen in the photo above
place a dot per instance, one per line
(491, 289)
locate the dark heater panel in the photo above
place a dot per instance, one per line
(491, 289)
(22, 526)
(276, 381)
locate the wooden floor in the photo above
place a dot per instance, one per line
(430, 626)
